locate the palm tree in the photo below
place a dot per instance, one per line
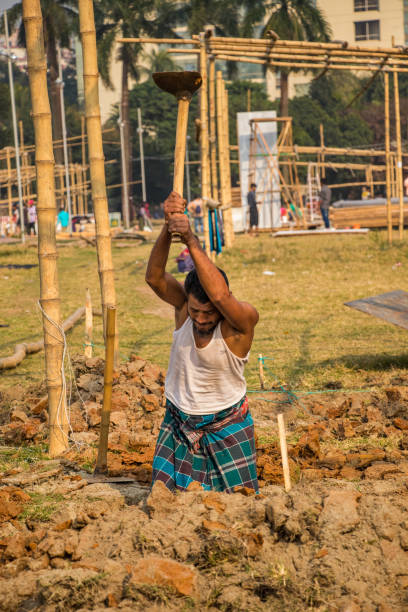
(294, 20)
(60, 21)
(127, 19)
(157, 61)
(229, 17)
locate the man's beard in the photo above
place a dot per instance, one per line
(204, 333)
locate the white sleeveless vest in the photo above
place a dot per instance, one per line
(203, 380)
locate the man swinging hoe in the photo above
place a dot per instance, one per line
(207, 434)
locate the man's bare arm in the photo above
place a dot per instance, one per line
(163, 283)
(240, 315)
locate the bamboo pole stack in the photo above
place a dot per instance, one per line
(96, 160)
(46, 210)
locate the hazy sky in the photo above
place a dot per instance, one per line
(5, 4)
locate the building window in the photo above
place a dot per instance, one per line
(366, 5)
(367, 30)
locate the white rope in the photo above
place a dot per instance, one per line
(65, 405)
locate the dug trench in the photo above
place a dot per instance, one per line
(337, 541)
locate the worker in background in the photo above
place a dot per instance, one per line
(253, 208)
(325, 199)
(195, 208)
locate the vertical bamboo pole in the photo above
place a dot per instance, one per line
(9, 193)
(322, 167)
(387, 155)
(221, 149)
(47, 252)
(204, 144)
(96, 160)
(23, 160)
(400, 185)
(85, 191)
(228, 210)
(102, 458)
(62, 188)
(213, 135)
(73, 190)
(248, 100)
(88, 324)
(80, 193)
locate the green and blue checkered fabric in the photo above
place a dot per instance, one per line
(215, 450)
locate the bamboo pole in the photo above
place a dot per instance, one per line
(46, 210)
(96, 161)
(228, 167)
(284, 452)
(313, 65)
(101, 466)
(160, 41)
(204, 144)
(387, 155)
(88, 324)
(83, 155)
(400, 184)
(9, 192)
(23, 161)
(73, 190)
(221, 150)
(213, 138)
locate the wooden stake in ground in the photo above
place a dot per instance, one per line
(387, 155)
(284, 453)
(96, 160)
(102, 459)
(261, 371)
(46, 210)
(88, 324)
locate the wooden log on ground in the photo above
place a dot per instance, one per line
(27, 348)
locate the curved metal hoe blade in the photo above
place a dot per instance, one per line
(179, 84)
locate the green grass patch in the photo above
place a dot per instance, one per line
(41, 507)
(305, 330)
(24, 456)
(358, 443)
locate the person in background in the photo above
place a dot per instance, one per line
(63, 219)
(253, 208)
(406, 185)
(146, 217)
(195, 208)
(15, 220)
(31, 217)
(325, 199)
(365, 193)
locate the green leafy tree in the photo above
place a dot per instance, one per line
(229, 17)
(130, 19)
(294, 20)
(158, 60)
(60, 21)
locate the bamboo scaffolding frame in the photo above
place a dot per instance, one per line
(96, 161)
(46, 210)
(399, 177)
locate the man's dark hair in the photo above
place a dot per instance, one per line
(253, 185)
(192, 285)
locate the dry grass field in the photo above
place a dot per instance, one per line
(309, 337)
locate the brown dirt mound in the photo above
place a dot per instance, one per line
(347, 436)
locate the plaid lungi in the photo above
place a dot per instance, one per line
(216, 450)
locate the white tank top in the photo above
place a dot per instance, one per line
(203, 380)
